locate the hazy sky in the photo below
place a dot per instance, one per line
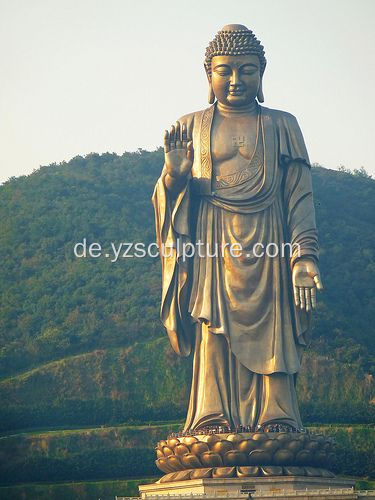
(81, 76)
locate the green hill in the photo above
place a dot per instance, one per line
(78, 335)
(83, 350)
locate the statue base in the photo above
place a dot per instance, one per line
(243, 454)
(275, 463)
(253, 487)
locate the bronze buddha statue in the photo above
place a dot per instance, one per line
(238, 173)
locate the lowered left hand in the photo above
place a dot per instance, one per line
(306, 280)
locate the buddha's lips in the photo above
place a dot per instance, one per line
(236, 91)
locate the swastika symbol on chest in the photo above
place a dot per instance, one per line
(239, 141)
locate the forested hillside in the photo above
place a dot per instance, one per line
(79, 334)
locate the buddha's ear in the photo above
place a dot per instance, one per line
(211, 95)
(260, 95)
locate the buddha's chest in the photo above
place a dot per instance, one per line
(233, 138)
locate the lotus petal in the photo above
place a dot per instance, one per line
(294, 471)
(295, 446)
(252, 471)
(326, 473)
(312, 445)
(174, 462)
(183, 475)
(162, 464)
(260, 457)
(224, 472)
(304, 457)
(181, 449)
(211, 459)
(167, 478)
(260, 436)
(201, 473)
(235, 457)
(235, 438)
(167, 451)
(211, 439)
(270, 445)
(272, 470)
(190, 461)
(247, 445)
(199, 448)
(320, 458)
(283, 457)
(189, 440)
(171, 443)
(312, 472)
(222, 446)
(328, 447)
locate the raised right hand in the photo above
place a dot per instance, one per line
(178, 151)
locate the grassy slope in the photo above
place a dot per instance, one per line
(149, 382)
(72, 490)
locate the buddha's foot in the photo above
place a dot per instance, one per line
(278, 427)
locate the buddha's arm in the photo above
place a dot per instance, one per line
(298, 197)
(178, 154)
(302, 233)
(173, 184)
(172, 208)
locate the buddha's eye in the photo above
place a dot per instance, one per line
(222, 71)
(249, 70)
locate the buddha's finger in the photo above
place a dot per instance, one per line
(171, 138)
(166, 142)
(189, 150)
(178, 135)
(296, 296)
(184, 136)
(308, 299)
(302, 297)
(318, 283)
(313, 298)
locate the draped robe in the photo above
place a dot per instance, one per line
(238, 312)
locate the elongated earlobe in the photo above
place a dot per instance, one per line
(260, 95)
(211, 95)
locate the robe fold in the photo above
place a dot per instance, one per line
(239, 310)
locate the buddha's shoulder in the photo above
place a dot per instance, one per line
(191, 118)
(279, 116)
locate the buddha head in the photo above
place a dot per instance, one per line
(234, 65)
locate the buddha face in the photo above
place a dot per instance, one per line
(235, 80)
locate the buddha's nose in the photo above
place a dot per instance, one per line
(235, 79)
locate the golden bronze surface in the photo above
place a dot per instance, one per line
(238, 173)
(297, 452)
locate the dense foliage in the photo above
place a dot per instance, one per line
(55, 305)
(81, 340)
